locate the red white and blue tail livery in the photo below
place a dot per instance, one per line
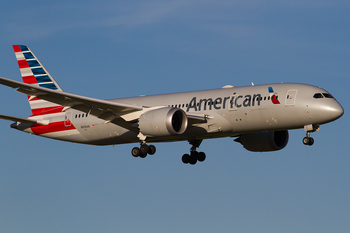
(259, 115)
(34, 73)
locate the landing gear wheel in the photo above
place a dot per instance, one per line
(201, 156)
(135, 152)
(193, 160)
(152, 150)
(193, 157)
(308, 141)
(186, 158)
(311, 141)
(143, 155)
(144, 149)
(194, 154)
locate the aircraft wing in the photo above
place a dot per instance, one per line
(103, 109)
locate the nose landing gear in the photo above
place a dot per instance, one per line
(309, 141)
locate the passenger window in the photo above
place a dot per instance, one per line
(318, 96)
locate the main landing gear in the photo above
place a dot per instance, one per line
(143, 150)
(194, 156)
(309, 141)
(191, 158)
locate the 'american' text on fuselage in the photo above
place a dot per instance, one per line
(220, 103)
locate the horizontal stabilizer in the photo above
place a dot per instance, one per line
(22, 120)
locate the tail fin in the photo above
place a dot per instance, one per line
(33, 72)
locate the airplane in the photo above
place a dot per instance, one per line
(259, 116)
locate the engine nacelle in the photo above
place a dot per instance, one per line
(264, 141)
(163, 122)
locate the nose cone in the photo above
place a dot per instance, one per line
(336, 110)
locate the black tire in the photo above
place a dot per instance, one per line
(186, 158)
(143, 155)
(193, 160)
(306, 141)
(144, 149)
(152, 150)
(311, 141)
(194, 154)
(201, 156)
(135, 152)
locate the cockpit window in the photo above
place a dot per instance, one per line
(327, 95)
(318, 95)
(323, 95)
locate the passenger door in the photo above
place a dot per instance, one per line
(291, 97)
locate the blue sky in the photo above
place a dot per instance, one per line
(110, 49)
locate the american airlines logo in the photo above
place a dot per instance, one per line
(273, 96)
(232, 102)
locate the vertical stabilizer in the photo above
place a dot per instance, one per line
(34, 73)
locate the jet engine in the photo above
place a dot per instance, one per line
(163, 122)
(264, 141)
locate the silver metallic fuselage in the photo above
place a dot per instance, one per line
(227, 112)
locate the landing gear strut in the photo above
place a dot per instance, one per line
(194, 156)
(143, 150)
(309, 141)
